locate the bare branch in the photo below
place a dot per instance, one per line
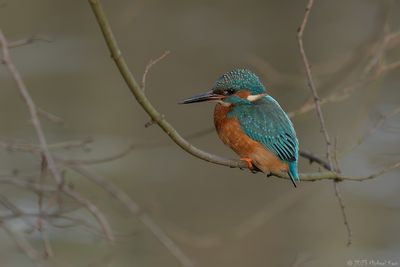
(377, 125)
(311, 84)
(161, 120)
(142, 99)
(150, 65)
(313, 158)
(99, 216)
(22, 244)
(31, 107)
(116, 156)
(26, 41)
(48, 251)
(344, 215)
(51, 117)
(317, 103)
(367, 76)
(134, 208)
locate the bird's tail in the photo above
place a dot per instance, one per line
(293, 173)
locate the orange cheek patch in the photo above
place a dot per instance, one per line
(243, 94)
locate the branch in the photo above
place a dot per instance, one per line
(150, 65)
(161, 121)
(317, 100)
(147, 105)
(26, 41)
(135, 209)
(22, 243)
(375, 68)
(31, 107)
(344, 215)
(141, 98)
(317, 103)
(314, 158)
(40, 188)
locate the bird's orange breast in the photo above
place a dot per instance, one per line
(231, 134)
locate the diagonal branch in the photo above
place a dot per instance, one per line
(311, 85)
(317, 104)
(33, 111)
(161, 121)
(141, 98)
(135, 209)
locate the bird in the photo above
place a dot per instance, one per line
(253, 124)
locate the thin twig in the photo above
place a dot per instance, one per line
(22, 244)
(36, 187)
(377, 125)
(49, 116)
(31, 107)
(311, 84)
(134, 208)
(314, 158)
(97, 214)
(317, 103)
(150, 65)
(343, 211)
(377, 54)
(28, 40)
(47, 249)
(114, 157)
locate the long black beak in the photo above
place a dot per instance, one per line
(207, 96)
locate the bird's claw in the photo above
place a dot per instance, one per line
(249, 163)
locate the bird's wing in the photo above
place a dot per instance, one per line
(264, 121)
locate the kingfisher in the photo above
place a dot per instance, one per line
(253, 124)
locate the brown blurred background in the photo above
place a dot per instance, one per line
(217, 215)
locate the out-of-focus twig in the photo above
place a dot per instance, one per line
(344, 214)
(26, 41)
(375, 68)
(37, 187)
(23, 90)
(134, 208)
(98, 215)
(377, 125)
(22, 244)
(49, 116)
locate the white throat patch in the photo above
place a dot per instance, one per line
(253, 98)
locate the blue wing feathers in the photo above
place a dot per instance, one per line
(266, 122)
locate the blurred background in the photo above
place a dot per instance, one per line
(218, 216)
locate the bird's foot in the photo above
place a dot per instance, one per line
(249, 163)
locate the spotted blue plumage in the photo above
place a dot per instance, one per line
(263, 120)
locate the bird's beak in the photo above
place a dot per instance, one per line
(207, 96)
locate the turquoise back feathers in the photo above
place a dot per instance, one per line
(265, 122)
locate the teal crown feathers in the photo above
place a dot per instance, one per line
(239, 79)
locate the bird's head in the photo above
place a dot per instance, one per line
(232, 87)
